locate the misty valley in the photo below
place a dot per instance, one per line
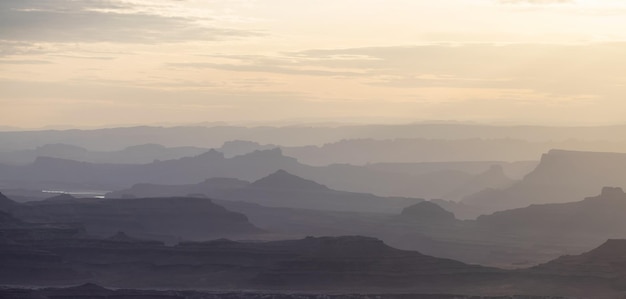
(302, 149)
(250, 218)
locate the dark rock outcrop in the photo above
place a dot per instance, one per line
(427, 212)
(284, 180)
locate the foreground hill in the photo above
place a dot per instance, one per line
(324, 264)
(168, 219)
(279, 189)
(100, 292)
(607, 261)
(561, 176)
(338, 263)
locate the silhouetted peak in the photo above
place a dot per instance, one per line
(267, 153)
(609, 194)
(281, 179)
(427, 211)
(495, 173)
(612, 192)
(211, 154)
(611, 247)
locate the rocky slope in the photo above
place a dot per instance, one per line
(561, 176)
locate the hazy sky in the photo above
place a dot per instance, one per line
(105, 62)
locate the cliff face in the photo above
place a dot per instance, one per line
(601, 215)
(561, 176)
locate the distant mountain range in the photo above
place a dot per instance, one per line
(561, 176)
(137, 154)
(213, 137)
(279, 189)
(499, 239)
(414, 155)
(61, 174)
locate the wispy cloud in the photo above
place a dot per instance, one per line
(101, 21)
(21, 61)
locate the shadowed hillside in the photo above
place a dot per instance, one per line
(561, 176)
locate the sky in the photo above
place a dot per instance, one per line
(91, 63)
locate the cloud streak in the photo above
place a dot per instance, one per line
(101, 21)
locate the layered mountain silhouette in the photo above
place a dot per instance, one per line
(429, 227)
(606, 261)
(136, 154)
(331, 264)
(122, 256)
(552, 229)
(279, 189)
(284, 180)
(100, 292)
(599, 216)
(53, 173)
(427, 212)
(501, 239)
(561, 176)
(165, 218)
(215, 135)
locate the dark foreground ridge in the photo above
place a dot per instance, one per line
(90, 290)
(65, 254)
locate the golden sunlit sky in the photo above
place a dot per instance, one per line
(109, 62)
